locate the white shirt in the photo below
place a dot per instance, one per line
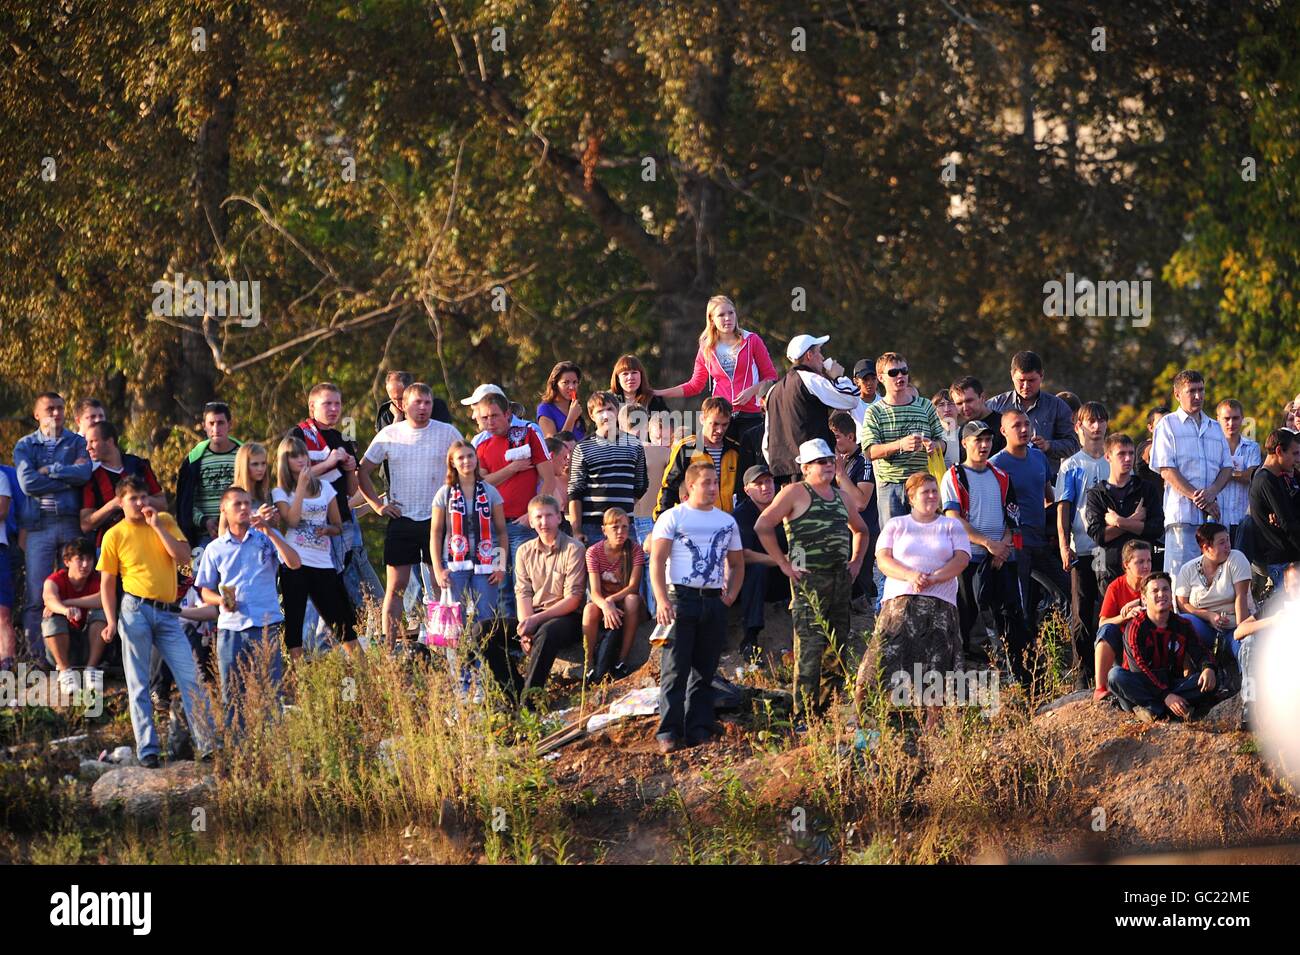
(312, 546)
(701, 542)
(417, 463)
(1198, 451)
(1235, 498)
(1220, 594)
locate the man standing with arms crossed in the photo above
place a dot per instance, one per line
(52, 465)
(1192, 456)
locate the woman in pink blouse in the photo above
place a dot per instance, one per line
(734, 362)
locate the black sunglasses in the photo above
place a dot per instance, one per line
(896, 372)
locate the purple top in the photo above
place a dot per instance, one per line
(548, 410)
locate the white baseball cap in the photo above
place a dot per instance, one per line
(813, 450)
(481, 392)
(801, 343)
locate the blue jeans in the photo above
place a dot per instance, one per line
(1180, 547)
(1208, 635)
(238, 653)
(44, 541)
(359, 577)
(1111, 635)
(642, 527)
(891, 501)
(473, 592)
(517, 535)
(1134, 689)
(142, 628)
(688, 663)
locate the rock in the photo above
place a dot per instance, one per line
(92, 769)
(147, 792)
(1061, 701)
(122, 756)
(68, 741)
(1226, 715)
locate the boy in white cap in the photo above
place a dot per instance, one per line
(827, 541)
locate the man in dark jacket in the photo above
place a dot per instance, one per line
(799, 406)
(204, 475)
(711, 445)
(1120, 509)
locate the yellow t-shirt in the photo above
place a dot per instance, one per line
(134, 553)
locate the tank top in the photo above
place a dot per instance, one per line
(821, 533)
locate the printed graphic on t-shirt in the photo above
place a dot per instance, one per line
(707, 564)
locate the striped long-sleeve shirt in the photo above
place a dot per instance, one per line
(606, 473)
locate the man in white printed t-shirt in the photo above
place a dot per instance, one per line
(416, 451)
(694, 549)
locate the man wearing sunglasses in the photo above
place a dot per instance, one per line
(898, 435)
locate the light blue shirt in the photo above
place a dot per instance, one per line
(1198, 450)
(249, 566)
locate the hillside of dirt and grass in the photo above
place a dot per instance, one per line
(382, 761)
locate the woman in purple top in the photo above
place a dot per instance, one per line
(560, 409)
(921, 555)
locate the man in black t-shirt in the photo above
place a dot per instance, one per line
(334, 459)
(760, 489)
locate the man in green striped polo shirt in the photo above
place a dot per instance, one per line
(898, 435)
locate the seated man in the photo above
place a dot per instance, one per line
(73, 619)
(1122, 602)
(760, 489)
(550, 585)
(1164, 670)
(1286, 596)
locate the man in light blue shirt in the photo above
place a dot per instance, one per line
(237, 573)
(1191, 454)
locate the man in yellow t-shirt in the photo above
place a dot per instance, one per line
(144, 550)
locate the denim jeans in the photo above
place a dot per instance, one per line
(1134, 689)
(1180, 547)
(44, 541)
(142, 628)
(1208, 635)
(350, 558)
(517, 535)
(477, 597)
(688, 663)
(643, 527)
(238, 652)
(891, 501)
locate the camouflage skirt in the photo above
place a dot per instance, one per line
(911, 630)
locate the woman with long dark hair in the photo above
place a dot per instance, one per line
(560, 409)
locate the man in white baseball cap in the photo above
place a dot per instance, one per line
(799, 406)
(481, 392)
(827, 541)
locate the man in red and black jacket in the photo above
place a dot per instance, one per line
(101, 508)
(1164, 670)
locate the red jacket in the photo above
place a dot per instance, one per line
(753, 365)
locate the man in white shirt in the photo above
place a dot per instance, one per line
(1192, 456)
(1246, 457)
(695, 550)
(416, 452)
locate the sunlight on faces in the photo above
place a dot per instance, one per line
(490, 418)
(237, 506)
(133, 503)
(1121, 458)
(1275, 710)
(762, 491)
(925, 498)
(1015, 428)
(257, 466)
(616, 528)
(723, 316)
(1092, 429)
(49, 413)
(418, 406)
(326, 407)
(1139, 563)
(80, 566)
(629, 379)
(465, 461)
(1218, 549)
(1191, 396)
(216, 425)
(545, 520)
(1027, 384)
(979, 447)
(702, 487)
(970, 405)
(1157, 597)
(568, 385)
(90, 417)
(820, 471)
(100, 448)
(713, 426)
(897, 379)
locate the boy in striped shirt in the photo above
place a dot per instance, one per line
(606, 470)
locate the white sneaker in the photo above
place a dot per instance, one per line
(69, 682)
(93, 679)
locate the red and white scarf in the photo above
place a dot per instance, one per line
(458, 543)
(318, 448)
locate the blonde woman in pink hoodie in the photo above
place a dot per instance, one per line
(733, 362)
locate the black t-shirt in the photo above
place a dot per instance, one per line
(334, 439)
(746, 514)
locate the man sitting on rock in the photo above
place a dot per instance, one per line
(1165, 670)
